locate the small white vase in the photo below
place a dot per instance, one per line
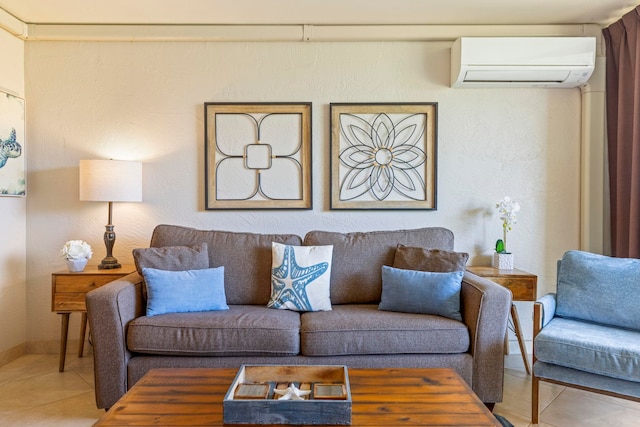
(502, 261)
(76, 265)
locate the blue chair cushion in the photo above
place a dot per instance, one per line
(590, 347)
(599, 289)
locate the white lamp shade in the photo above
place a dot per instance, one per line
(110, 181)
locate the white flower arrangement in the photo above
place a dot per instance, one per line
(76, 249)
(508, 210)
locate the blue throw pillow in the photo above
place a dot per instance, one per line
(599, 289)
(423, 292)
(184, 291)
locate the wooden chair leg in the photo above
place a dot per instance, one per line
(535, 382)
(534, 399)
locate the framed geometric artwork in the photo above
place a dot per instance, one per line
(258, 156)
(383, 156)
(12, 132)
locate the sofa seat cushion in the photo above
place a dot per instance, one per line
(240, 331)
(362, 329)
(590, 347)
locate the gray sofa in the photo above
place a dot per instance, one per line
(354, 333)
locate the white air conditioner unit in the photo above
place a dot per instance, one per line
(561, 62)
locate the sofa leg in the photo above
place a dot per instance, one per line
(534, 399)
(489, 406)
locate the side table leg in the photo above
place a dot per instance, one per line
(518, 331)
(83, 333)
(64, 330)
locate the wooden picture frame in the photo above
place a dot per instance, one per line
(384, 156)
(258, 156)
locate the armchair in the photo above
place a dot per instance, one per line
(587, 336)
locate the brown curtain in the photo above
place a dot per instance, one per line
(623, 132)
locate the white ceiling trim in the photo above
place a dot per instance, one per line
(314, 12)
(12, 24)
(301, 33)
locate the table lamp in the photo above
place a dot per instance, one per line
(110, 181)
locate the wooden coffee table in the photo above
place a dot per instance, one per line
(380, 397)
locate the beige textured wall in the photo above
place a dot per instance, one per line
(144, 101)
(13, 326)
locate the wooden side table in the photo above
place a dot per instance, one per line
(523, 287)
(68, 293)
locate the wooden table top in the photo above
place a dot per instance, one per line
(380, 397)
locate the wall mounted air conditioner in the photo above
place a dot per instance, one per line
(561, 62)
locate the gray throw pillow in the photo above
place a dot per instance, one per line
(172, 258)
(434, 260)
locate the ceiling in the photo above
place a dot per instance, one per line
(319, 12)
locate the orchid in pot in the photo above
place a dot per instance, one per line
(76, 253)
(508, 210)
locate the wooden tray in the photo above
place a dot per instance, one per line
(251, 399)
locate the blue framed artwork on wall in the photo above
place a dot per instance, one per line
(12, 138)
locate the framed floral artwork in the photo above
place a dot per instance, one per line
(383, 156)
(258, 156)
(12, 143)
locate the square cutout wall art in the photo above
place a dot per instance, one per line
(12, 132)
(383, 156)
(258, 156)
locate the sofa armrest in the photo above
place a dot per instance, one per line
(544, 309)
(548, 303)
(485, 307)
(110, 308)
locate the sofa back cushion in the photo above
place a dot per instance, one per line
(599, 289)
(356, 270)
(246, 257)
(433, 260)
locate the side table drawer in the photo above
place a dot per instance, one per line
(84, 283)
(69, 302)
(523, 289)
(69, 290)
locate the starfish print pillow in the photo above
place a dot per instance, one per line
(300, 277)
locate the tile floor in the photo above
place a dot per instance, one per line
(34, 393)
